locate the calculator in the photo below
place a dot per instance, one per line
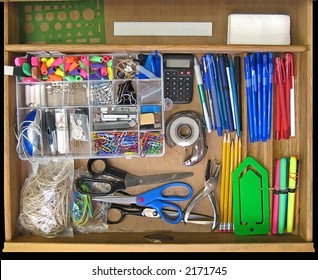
(178, 77)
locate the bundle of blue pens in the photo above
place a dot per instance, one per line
(258, 71)
(221, 77)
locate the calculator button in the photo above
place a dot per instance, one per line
(180, 98)
(187, 98)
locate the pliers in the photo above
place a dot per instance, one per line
(210, 183)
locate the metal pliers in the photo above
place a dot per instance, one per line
(210, 183)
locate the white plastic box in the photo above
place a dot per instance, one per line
(139, 134)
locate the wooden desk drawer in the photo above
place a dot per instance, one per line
(143, 236)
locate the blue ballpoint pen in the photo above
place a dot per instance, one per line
(224, 118)
(225, 87)
(205, 111)
(265, 96)
(270, 94)
(247, 73)
(212, 75)
(254, 96)
(259, 93)
(235, 101)
(207, 84)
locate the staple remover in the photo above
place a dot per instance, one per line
(210, 183)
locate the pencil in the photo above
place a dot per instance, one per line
(222, 182)
(229, 215)
(240, 151)
(236, 155)
(226, 179)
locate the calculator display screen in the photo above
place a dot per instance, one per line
(178, 63)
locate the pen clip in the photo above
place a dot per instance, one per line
(279, 71)
(289, 65)
(211, 66)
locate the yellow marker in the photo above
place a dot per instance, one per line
(291, 193)
(222, 182)
(230, 208)
(226, 179)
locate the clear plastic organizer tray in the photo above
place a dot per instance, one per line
(95, 105)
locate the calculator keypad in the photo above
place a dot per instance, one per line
(178, 85)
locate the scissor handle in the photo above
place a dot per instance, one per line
(157, 194)
(157, 200)
(107, 170)
(160, 205)
(121, 212)
(112, 186)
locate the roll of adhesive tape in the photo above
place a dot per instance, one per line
(188, 123)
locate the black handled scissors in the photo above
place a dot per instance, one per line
(117, 180)
(117, 213)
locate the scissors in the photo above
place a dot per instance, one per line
(117, 213)
(155, 199)
(210, 183)
(120, 180)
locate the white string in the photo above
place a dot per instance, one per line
(45, 200)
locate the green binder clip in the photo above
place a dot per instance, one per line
(250, 198)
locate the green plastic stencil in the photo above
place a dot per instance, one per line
(250, 198)
(69, 22)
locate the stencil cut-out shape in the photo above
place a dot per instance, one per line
(49, 16)
(28, 17)
(29, 28)
(44, 27)
(58, 26)
(62, 16)
(74, 15)
(88, 14)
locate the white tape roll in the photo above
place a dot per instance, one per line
(188, 123)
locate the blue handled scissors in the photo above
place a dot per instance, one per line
(155, 199)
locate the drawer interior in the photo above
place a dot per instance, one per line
(140, 230)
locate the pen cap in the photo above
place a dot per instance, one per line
(247, 69)
(289, 64)
(292, 178)
(283, 174)
(279, 71)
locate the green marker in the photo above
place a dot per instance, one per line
(282, 210)
(198, 78)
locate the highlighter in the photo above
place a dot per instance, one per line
(282, 210)
(291, 193)
(276, 198)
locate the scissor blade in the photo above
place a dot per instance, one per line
(199, 219)
(132, 180)
(116, 199)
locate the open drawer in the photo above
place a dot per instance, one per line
(137, 234)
